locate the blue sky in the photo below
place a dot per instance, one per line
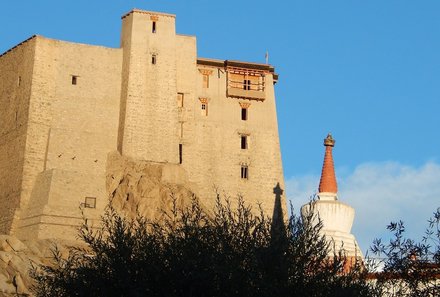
(367, 71)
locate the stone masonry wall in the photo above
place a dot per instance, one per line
(149, 129)
(72, 127)
(212, 152)
(16, 77)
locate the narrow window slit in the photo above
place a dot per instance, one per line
(244, 114)
(180, 99)
(244, 144)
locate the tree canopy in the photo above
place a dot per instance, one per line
(410, 267)
(231, 251)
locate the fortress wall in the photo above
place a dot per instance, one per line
(39, 122)
(77, 103)
(55, 208)
(214, 144)
(125, 45)
(15, 88)
(186, 65)
(72, 128)
(186, 72)
(85, 115)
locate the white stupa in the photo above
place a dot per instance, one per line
(337, 217)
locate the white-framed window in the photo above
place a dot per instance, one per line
(246, 84)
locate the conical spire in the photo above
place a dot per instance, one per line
(328, 184)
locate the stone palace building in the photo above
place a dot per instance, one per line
(80, 124)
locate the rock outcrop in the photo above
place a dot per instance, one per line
(18, 257)
(133, 187)
(146, 187)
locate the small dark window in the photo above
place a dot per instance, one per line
(153, 28)
(180, 153)
(153, 59)
(74, 79)
(244, 144)
(244, 172)
(244, 114)
(19, 81)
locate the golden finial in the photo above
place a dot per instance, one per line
(329, 141)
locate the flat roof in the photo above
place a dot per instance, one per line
(135, 10)
(234, 63)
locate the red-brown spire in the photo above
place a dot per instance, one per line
(328, 178)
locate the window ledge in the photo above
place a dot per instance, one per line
(249, 94)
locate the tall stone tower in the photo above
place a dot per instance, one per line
(336, 216)
(148, 116)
